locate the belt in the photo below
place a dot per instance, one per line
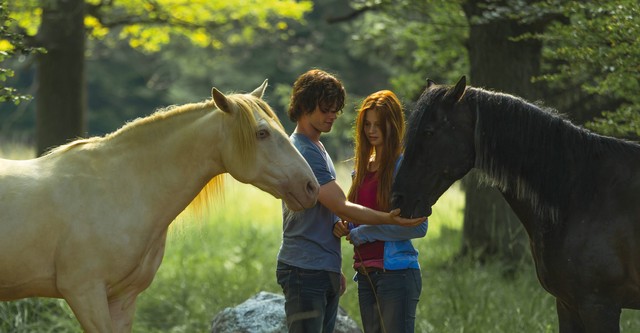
(369, 270)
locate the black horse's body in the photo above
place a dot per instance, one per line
(576, 193)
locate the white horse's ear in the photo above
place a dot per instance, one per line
(220, 100)
(259, 92)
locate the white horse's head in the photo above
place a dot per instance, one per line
(259, 152)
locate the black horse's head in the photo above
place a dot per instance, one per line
(439, 148)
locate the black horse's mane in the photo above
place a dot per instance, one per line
(537, 154)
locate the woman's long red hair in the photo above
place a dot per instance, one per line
(392, 121)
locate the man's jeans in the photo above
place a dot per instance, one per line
(311, 298)
(397, 294)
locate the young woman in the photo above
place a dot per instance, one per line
(388, 273)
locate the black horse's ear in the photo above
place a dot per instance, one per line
(454, 94)
(430, 83)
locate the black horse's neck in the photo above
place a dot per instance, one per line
(534, 154)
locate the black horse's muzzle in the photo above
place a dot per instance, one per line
(415, 208)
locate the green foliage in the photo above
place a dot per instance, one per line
(151, 25)
(624, 122)
(413, 40)
(124, 84)
(598, 48)
(591, 45)
(11, 43)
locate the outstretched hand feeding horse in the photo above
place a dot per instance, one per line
(575, 192)
(88, 221)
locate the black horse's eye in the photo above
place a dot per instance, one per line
(262, 134)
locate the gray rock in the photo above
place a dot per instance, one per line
(264, 313)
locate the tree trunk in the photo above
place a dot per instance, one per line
(491, 229)
(60, 97)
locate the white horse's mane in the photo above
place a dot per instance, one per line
(241, 131)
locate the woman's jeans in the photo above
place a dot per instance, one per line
(396, 298)
(311, 298)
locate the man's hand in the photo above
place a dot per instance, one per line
(394, 216)
(341, 228)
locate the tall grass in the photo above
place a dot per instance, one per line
(229, 254)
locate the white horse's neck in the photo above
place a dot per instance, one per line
(158, 166)
(177, 156)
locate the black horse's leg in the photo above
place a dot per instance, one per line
(568, 319)
(590, 318)
(601, 318)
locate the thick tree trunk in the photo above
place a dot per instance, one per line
(60, 97)
(491, 229)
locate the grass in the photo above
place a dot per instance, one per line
(229, 255)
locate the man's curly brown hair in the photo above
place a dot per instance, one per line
(316, 88)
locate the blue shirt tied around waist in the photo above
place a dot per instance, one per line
(399, 252)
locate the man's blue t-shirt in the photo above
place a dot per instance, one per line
(307, 240)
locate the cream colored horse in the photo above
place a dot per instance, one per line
(88, 221)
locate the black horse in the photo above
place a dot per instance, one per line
(576, 193)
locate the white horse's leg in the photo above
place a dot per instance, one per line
(122, 312)
(89, 303)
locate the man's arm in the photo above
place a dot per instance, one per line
(332, 197)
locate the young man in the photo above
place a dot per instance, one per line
(310, 260)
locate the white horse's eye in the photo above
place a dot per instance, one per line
(262, 134)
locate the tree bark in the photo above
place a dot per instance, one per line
(491, 229)
(60, 107)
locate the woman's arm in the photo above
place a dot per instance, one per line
(370, 233)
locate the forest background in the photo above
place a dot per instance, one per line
(133, 56)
